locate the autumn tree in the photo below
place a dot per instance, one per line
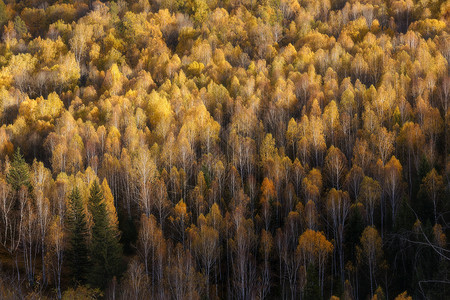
(158, 247)
(55, 254)
(80, 38)
(30, 238)
(313, 249)
(205, 244)
(332, 123)
(370, 196)
(145, 170)
(183, 279)
(335, 166)
(43, 221)
(433, 185)
(312, 185)
(311, 215)
(393, 184)
(411, 140)
(268, 194)
(383, 141)
(370, 252)
(266, 245)
(12, 209)
(362, 155)
(180, 219)
(161, 202)
(316, 136)
(338, 208)
(353, 180)
(134, 286)
(244, 269)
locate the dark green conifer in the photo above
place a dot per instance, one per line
(20, 26)
(78, 252)
(19, 173)
(3, 15)
(106, 251)
(312, 289)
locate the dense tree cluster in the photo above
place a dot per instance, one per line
(203, 149)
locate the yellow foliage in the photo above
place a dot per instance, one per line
(110, 204)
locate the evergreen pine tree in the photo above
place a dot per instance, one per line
(3, 15)
(312, 289)
(19, 173)
(106, 251)
(78, 253)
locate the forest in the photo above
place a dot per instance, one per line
(225, 149)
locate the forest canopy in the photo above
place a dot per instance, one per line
(205, 149)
